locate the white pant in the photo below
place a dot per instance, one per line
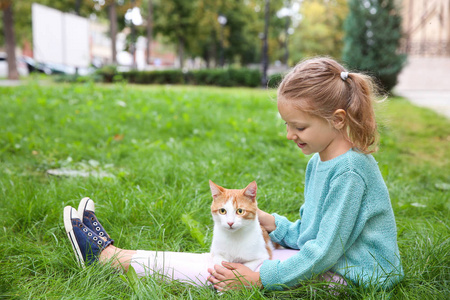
(193, 267)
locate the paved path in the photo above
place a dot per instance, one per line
(7, 82)
(426, 82)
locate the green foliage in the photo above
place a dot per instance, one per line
(321, 29)
(106, 73)
(372, 37)
(220, 77)
(226, 77)
(194, 229)
(175, 19)
(274, 80)
(160, 145)
(240, 33)
(154, 77)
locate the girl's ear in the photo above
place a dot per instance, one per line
(215, 189)
(339, 117)
(250, 191)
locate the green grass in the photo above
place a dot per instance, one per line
(160, 146)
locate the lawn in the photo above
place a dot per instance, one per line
(149, 153)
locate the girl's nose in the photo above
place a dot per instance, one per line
(290, 136)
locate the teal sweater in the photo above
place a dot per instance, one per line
(346, 225)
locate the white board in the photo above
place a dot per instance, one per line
(76, 41)
(60, 38)
(47, 34)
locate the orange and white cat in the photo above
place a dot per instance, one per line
(238, 237)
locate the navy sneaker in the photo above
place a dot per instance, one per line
(86, 244)
(86, 210)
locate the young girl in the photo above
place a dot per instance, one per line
(346, 231)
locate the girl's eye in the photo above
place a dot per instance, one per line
(300, 129)
(239, 211)
(222, 211)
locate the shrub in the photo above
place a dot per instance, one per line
(220, 77)
(226, 77)
(274, 80)
(154, 77)
(107, 73)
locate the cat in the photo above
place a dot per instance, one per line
(238, 237)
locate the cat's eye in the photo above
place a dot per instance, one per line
(222, 211)
(239, 211)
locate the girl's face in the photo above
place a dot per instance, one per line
(312, 134)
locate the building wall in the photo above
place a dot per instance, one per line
(426, 25)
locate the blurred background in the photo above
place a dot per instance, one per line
(115, 37)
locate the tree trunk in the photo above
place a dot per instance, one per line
(286, 42)
(181, 51)
(149, 29)
(113, 29)
(8, 25)
(265, 59)
(77, 7)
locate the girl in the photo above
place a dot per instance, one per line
(346, 231)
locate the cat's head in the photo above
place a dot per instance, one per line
(233, 209)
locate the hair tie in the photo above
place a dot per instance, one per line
(344, 75)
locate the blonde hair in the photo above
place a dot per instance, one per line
(316, 86)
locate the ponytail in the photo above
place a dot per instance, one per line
(362, 126)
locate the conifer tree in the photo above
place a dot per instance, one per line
(372, 37)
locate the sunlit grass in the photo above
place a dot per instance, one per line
(158, 146)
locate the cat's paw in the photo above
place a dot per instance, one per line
(254, 264)
(218, 259)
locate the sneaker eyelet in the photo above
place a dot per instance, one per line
(92, 219)
(97, 228)
(80, 225)
(99, 242)
(95, 238)
(100, 233)
(89, 233)
(95, 223)
(85, 229)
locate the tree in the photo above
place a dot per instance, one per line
(176, 20)
(320, 31)
(8, 26)
(241, 44)
(210, 34)
(372, 38)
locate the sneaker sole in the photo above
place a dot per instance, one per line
(71, 235)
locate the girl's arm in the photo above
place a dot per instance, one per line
(266, 220)
(281, 230)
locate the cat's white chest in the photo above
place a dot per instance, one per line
(246, 245)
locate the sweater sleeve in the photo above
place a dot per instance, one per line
(286, 233)
(338, 217)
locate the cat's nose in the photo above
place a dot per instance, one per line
(230, 223)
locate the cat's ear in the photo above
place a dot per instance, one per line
(215, 189)
(250, 191)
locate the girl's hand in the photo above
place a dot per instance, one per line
(233, 276)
